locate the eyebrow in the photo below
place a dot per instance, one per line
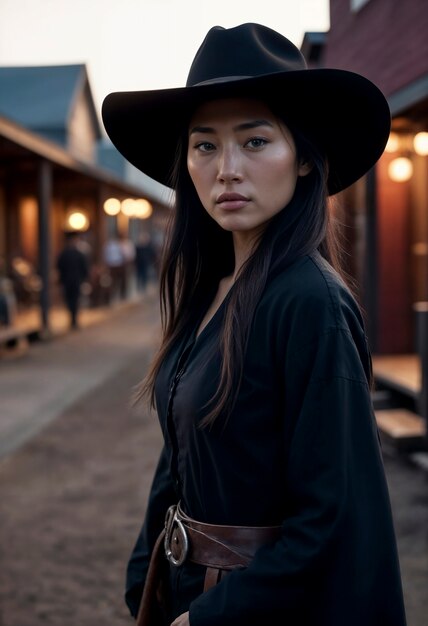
(243, 126)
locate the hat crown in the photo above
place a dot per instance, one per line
(248, 61)
(248, 50)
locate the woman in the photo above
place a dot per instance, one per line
(271, 477)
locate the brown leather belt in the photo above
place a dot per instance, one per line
(219, 548)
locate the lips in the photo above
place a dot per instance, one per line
(231, 201)
(230, 197)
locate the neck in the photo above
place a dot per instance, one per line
(244, 244)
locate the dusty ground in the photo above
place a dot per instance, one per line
(408, 486)
(71, 504)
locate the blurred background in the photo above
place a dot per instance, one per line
(80, 237)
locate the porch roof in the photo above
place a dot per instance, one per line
(15, 139)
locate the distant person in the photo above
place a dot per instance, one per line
(72, 265)
(113, 258)
(144, 259)
(128, 254)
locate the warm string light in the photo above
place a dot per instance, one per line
(133, 208)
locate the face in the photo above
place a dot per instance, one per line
(242, 161)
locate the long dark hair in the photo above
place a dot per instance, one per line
(198, 253)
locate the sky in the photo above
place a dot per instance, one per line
(137, 44)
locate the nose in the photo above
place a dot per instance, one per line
(229, 166)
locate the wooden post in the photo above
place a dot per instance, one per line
(44, 201)
(421, 310)
(371, 261)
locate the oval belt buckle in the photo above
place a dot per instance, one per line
(171, 519)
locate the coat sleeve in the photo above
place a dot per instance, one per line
(336, 561)
(162, 495)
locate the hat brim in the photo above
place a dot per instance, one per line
(344, 113)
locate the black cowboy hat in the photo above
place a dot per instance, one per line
(344, 113)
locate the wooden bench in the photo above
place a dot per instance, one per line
(404, 429)
(12, 336)
(405, 421)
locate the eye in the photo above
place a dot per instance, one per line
(256, 142)
(204, 146)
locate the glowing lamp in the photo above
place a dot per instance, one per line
(400, 170)
(143, 208)
(77, 221)
(393, 143)
(128, 207)
(420, 143)
(112, 206)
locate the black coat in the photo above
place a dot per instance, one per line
(300, 448)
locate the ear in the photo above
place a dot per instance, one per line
(304, 168)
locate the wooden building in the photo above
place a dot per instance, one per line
(386, 212)
(54, 177)
(385, 40)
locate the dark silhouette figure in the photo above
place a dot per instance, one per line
(269, 503)
(144, 259)
(73, 270)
